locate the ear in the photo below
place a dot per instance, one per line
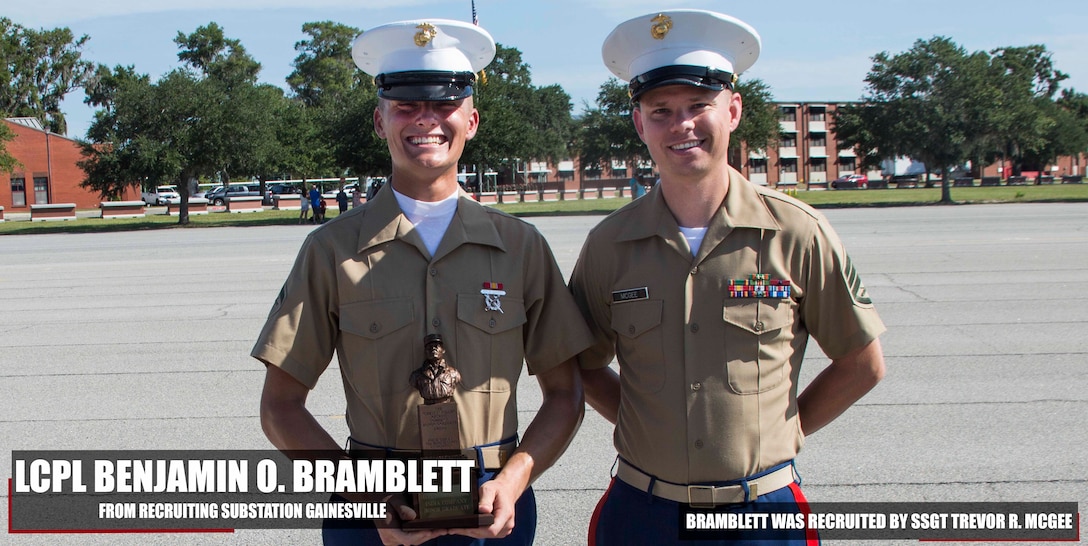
(379, 126)
(473, 124)
(636, 116)
(735, 107)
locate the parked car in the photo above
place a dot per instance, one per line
(850, 182)
(161, 195)
(219, 195)
(281, 188)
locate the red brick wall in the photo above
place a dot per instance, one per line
(43, 154)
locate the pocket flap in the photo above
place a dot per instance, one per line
(634, 318)
(470, 310)
(758, 315)
(374, 319)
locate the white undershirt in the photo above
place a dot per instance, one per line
(430, 218)
(694, 235)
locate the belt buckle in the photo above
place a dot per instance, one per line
(710, 493)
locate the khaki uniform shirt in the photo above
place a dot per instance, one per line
(365, 286)
(709, 380)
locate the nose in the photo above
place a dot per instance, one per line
(428, 116)
(683, 121)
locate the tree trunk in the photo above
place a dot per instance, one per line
(946, 192)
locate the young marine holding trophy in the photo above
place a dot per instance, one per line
(423, 273)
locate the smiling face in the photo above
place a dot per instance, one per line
(425, 138)
(686, 128)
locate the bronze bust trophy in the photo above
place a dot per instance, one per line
(440, 437)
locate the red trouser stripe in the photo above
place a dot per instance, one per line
(812, 536)
(597, 514)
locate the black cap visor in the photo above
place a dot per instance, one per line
(698, 76)
(425, 85)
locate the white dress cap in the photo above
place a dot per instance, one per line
(426, 59)
(665, 48)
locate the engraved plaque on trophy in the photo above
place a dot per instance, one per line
(440, 437)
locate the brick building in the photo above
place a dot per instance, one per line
(807, 151)
(47, 171)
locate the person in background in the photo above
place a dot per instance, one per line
(342, 197)
(706, 291)
(637, 189)
(315, 200)
(303, 205)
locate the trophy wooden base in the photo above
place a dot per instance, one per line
(452, 522)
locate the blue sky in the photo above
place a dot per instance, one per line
(812, 51)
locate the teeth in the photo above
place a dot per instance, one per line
(426, 140)
(685, 145)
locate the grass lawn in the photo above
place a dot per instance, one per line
(827, 198)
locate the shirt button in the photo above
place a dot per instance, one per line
(759, 326)
(434, 271)
(698, 444)
(694, 328)
(375, 327)
(696, 386)
(631, 329)
(436, 323)
(491, 323)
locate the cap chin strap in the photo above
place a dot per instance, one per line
(710, 78)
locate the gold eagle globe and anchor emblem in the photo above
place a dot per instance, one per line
(661, 26)
(426, 33)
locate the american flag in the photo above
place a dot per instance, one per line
(475, 21)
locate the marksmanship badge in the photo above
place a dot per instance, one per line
(492, 291)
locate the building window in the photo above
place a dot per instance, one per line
(757, 165)
(846, 164)
(18, 192)
(788, 165)
(818, 139)
(819, 164)
(789, 140)
(816, 113)
(787, 113)
(41, 190)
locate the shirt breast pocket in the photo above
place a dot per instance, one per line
(373, 337)
(757, 343)
(640, 344)
(490, 344)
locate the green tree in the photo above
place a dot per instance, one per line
(335, 127)
(206, 120)
(858, 128)
(1027, 126)
(324, 66)
(606, 132)
(518, 121)
(1076, 104)
(8, 163)
(223, 59)
(41, 68)
(930, 103)
(759, 128)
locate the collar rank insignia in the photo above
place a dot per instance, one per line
(759, 285)
(492, 291)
